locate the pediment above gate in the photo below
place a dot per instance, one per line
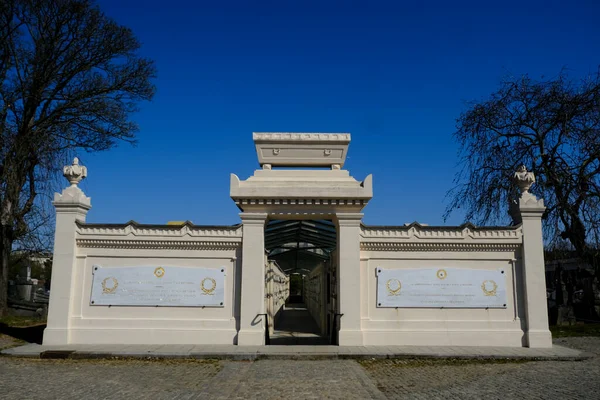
(310, 190)
(284, 149)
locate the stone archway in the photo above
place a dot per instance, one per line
(302, 255)
(311, 192)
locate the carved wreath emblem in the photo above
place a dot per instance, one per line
(210, 289)
(442, 274)
(159, 272)
(393, 287)
(489, 288)
(109, 288)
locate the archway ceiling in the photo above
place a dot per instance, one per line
(302, 234)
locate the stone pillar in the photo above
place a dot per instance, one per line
(71, 205)
(534, 279)
(348, 234)
(252, 324)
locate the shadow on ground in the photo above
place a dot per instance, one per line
(31, 334)
(297, 327)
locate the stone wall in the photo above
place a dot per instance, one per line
(315, 292)
(277, 291)
(466, 247)
(238, 252)
(73, 319)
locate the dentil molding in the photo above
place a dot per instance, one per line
(139, 230)
(158, 244)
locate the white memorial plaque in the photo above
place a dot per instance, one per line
(158, 286)
(441, 288)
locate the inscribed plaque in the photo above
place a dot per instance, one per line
(158, 286)
(441, 288)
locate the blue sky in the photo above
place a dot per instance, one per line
(396, 75)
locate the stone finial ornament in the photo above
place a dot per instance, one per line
(524, 180)
(75, 173)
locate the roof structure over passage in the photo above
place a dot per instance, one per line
(284, 235)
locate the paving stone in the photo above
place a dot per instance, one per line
(93, 379)
(279, 352)
(30, 349)
(477, 379)
(304, 379)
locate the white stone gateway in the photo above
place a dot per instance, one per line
(370, 285)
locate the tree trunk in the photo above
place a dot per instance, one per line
(5, 248)
(558, 285)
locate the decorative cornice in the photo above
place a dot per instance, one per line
(300, 136)
(308, 202)
(424, 246)
(416, 237)
(135, 229)
(463, 232)
(158, 244)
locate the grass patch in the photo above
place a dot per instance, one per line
(6, 342)
(575, 330)
(437, 362)
(13, 321)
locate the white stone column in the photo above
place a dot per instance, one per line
(534, 279)
(252, 324)
(348, 234)
(71, 205)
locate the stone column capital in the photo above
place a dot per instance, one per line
(71, 197)
(253, 218)
(349, 219)
(531, 207)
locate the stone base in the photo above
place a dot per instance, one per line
(255, 337)
(142, 336)
(55, 336)
(538, 339)
(495, 338)
(350, 338)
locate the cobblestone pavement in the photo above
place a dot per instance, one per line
(472, 379)
(282, 379)
(272, 379)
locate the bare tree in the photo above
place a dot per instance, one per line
(551, 126)
(70, 77)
